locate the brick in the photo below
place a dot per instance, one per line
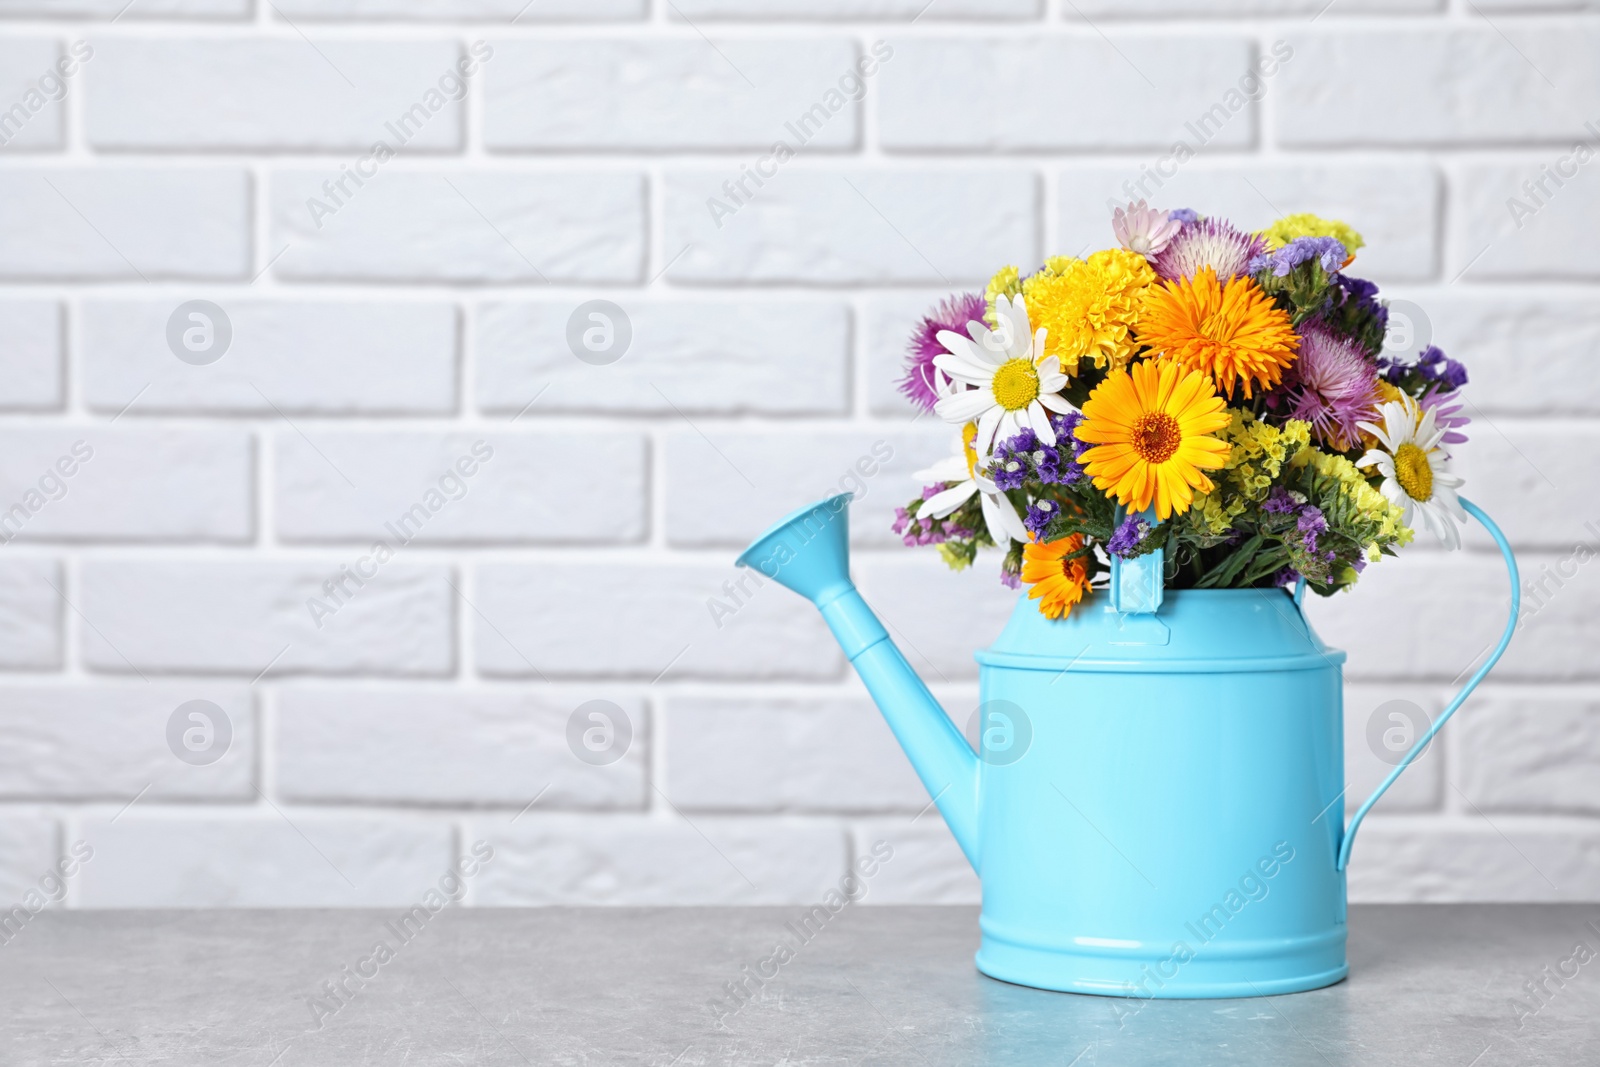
(1526, 475)
(642, 620)
(1531, 752)
(1434, 615)
(926, 867)
(1469, 86)
(839, 227)
(573, 860)
(939, 618)
(1130, 9)
(261, 859)
(1000, 94)
(672, 93)
(886, 323)
(28, 846)
(725, 488)
(723, 357)
(1439, 861)
(30, 360)
(31, 91)
(120, 9)
(865, 10)
(811, 755)
(1393, 205)
(405, 486)
(30, 614)
(110, 742)
(1375, 741)
(517, 12)
(1501, 230)
(91, 483)
(1527, 355)
(294, 357)
(126, 223)
(456, 748)
(462, 226)
(238, 618)
(273, 95)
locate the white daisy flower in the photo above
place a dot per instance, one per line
(1009, 383)
(1416, 471)
(961, 471)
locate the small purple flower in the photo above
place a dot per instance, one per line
(1039, 515)
(1438, 367)
(1329, 251)
(1286, 577)
(1364, 295)
(1010, 580)
(1311, 524)
(1185, 215)
(1278, 502)
(1066, 427)
(1126, 537)
(953, 313)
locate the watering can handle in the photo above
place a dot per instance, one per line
(1466, 690)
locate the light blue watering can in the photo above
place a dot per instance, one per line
(1156, 806)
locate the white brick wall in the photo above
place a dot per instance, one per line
(383, 315)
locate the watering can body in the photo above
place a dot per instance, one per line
(1155, 807)
(1172, 827)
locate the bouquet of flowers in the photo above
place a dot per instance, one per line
(1217, 394)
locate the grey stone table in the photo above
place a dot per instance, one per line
(1429, 985)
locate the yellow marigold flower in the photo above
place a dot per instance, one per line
(1232, 332)
(1058, 583)
(1089, 307)
(1306, 224)
(1151, 426)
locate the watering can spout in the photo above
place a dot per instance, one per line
(809, 552)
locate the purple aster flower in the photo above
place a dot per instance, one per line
(1328, 251)
(1213, 243)
(1126, 538)
(1311, 524)
(1039, 515)
(1446, 407)
(1333, 386)
(953, 313)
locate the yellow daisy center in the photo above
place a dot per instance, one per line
(1156, 436)
(1016, 384)
(1414, 473)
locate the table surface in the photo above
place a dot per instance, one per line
(1430, 984)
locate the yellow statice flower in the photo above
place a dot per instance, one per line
(1256, 454)
(1306, 224)
(1006, 282)
(1369, 503)
(1090, 307)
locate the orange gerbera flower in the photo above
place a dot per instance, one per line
(1151, 426)
(1058, 583)
(1232, 332)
